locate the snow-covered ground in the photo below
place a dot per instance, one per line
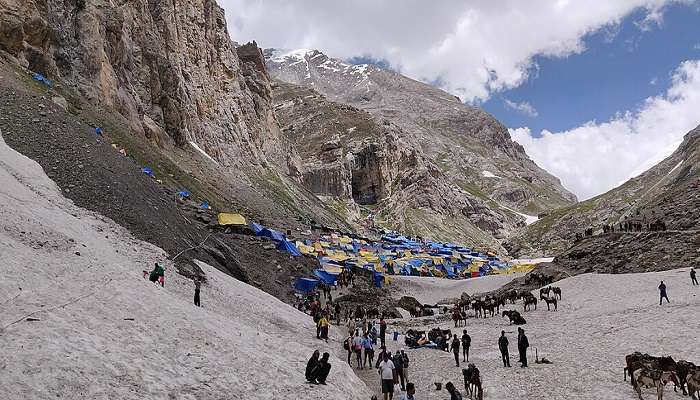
(532, 260)
(600, 319)
(106, 333)
(429, 290)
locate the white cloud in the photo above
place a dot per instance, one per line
(473, 48)
(654, 81)
(596, 157)
(524, 108)
(697, 46)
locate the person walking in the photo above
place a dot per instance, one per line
(398, 368)
(455, 348)
(405, 362)
(466, 342)
(357, 348)
(662, 293)
(320, 373)
(693, 277)
(369, 350)
(503, 346)
(323, 323)
(197, 286)
(317, 321)
(387, 374)
(347, 345)
(382, 331)
(523, 344)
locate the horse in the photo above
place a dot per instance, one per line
(655, 378)
(514, 317)
(638, 360)
(512, 296)
(477, 307)
(549, 300)
(488, 306)
(529, 301)
(683, 370)
(557, 292)
(472, 382)
(694, 384)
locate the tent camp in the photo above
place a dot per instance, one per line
(289, 247)
(325, 276)
(305, 285)
(269, 233)
(231, 219)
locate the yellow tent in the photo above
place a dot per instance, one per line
(231, 219)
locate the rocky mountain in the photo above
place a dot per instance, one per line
(668, 192)
(169, 74)
(470, 149)
(369, 170)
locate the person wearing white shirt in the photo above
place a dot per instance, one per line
(410, 392)
(387, 374)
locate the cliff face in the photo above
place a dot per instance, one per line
(370, 171)
(468, 145)
(169, 68)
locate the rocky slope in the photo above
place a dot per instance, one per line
(362, 165)
(668, 192)
(168, 73)
(471, 148)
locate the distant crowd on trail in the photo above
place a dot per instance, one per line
(627, 226)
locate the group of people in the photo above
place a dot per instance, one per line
(393, 370)
(523, 344)
(362, 340)
(464, 342)
(317, 370)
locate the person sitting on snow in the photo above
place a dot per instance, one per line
(320, 372)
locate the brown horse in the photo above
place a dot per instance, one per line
(529, 301)
(638, 360)
(694, 384)
(472, 382)
(653, 378)
(549, 300)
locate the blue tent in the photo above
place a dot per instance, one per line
(289, 247)
(305, 285)
(270, 233)
(256, 227)
(327, 277)
(378, 279)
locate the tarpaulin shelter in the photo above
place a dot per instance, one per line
(256, 227)
(305, 285)
(378, 279)
(231, 219)
(289, 247)
(270, 233)
(326, 277)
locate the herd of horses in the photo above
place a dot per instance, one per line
(490, 306)
(648, 371)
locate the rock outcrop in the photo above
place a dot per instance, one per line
(169, 68)
(373, 173)
(469, 146)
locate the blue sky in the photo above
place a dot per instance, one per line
(620, 67)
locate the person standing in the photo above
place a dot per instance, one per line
(347, 344)
(197, 286)
(357, 346)
(323, 323)
(405, 362)
(351, 326)
(382, 331)
(369, 350)
(466, 342)
(455, 348)
(320, 373)
(693, 277)
(503, 346)
(523, 344)
(662, 293)
(387, 374)
(398, 368)
(317, 321)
